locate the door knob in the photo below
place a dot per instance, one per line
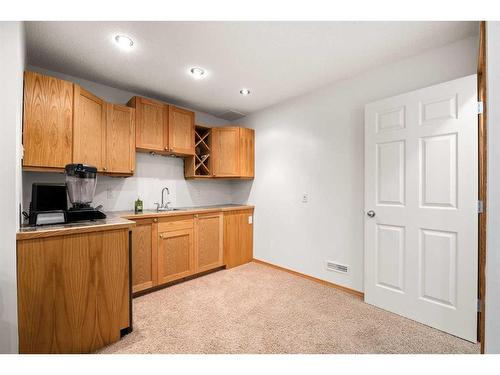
(371, 213)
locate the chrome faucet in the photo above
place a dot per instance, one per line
(164, 205)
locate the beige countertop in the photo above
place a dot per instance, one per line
(181, 211)
(117, 220)
(110, 223)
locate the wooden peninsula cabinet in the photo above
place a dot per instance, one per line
(73, 288)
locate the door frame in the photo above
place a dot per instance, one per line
(483, 180)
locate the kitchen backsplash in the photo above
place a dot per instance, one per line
(152, 174)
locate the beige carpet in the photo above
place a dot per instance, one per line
(258, 309)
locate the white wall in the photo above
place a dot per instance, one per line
(152, 172)
(492, 313)
(12, 59)
(314, 143)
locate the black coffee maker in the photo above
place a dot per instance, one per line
(81, 181)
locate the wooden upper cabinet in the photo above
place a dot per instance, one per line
(89, 129)
(48, 121)
(181, 131)
(247, 152)
(226, 149)
(208, 242)
(120, 136)
(233, 152)
(151, 122)
(103, 134)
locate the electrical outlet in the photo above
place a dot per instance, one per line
(250, 219)
(305, 197)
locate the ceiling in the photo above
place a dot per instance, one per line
(275, 60)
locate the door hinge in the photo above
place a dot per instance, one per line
(480, 207)
(478, 305)
(480, 108)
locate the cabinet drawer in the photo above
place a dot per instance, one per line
(175, 223)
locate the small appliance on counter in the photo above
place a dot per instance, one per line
(81, 181)
(48, 204)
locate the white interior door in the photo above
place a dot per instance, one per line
(421, 178)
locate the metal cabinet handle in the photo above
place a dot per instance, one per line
(155, 220)
(371, 213)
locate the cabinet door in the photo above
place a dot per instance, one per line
(238, 238)
(175, 255)
(181, 131)
(246, 236)
(247, 152)
(144, 254)
(89, 129)
(120, 145)
(73, 291)
(151, 121)
(48, 121)
(208, 242)
(225, 148)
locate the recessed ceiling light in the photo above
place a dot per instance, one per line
(124, 42)
(198, 73)
(245, 92)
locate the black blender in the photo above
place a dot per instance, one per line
(81, 181)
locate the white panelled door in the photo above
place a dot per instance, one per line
(421, 190)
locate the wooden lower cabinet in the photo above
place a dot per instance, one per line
(175, 248)
(238, 237)
(209, 252)
(144, 254)
(175, 255)
(166, 249)
(73, 291)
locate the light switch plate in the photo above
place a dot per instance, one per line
(305, 197)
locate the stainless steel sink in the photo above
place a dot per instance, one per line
(168, 209)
